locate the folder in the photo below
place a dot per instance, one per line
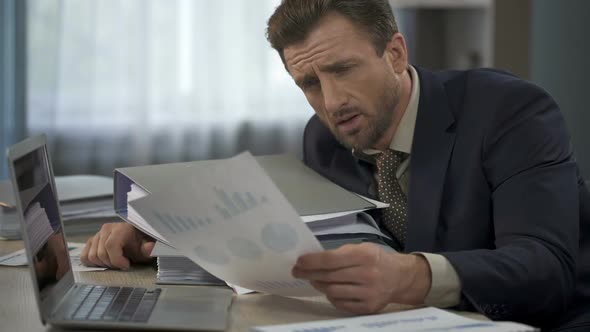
(308, 192)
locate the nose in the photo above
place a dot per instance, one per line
(334, 96)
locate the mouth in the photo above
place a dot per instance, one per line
(349, 122)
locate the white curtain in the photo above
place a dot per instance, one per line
(126, 82)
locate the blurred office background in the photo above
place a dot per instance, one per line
(128, 82)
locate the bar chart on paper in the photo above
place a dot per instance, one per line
(178, 224)
(236, 203)
(228, 206)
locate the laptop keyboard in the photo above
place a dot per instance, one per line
(122, 304)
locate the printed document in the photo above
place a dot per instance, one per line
(419, 320)
(232, 220)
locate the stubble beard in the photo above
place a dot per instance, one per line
(377, 124)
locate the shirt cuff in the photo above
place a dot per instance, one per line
(445, 290)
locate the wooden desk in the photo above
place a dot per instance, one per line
(18, 310)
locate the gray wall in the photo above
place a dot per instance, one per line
(561, 65)
(447, 38)
(512, 36)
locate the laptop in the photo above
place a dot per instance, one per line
(62, 301)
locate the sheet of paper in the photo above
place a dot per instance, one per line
(425, 319)
(240, 290)
(136, 219)
(19, 258)
(233, 221)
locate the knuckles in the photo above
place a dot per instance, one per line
(109, 243)
(369, 253)
(92, 257)
(371, 275)
(106, 227)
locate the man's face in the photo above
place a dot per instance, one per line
(352, 89)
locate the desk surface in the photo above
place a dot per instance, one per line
(18, 310)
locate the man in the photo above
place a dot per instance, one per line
(486, 200)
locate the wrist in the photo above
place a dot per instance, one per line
(419, 279)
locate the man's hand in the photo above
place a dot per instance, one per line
(364, 278)
(115, 245)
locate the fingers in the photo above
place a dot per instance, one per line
(84, 255)
(343, 292)
(351, 298)
(92, 256)
(351, 275)
(354, 278)
(358, 307)
(113, 247)
(146, 249)
(106, 247)
(101, 252)
(349, 255)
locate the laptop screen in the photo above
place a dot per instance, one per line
(41, 218)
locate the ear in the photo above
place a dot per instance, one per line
(396, 53)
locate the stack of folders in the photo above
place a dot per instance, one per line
(332, 229)
(334, 215)
(174, 268)
(332, 212)
(86, 202)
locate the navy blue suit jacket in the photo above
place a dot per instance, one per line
(494, 188)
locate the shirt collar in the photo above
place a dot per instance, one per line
(404, 135)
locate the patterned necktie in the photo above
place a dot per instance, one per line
(393, 217)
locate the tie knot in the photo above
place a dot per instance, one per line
(389, 160)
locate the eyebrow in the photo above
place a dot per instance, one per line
(306, 78)
(335, 66)
(328, 68)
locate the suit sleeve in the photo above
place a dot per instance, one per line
(529, 275)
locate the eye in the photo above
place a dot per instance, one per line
(310, 83)
(342, 69)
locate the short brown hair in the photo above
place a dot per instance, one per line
(293, 20)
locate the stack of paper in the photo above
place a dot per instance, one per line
(86, 202)
(329, 225)
(174, 268)
(182, 271)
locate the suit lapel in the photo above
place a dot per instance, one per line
(352, 174)
(431, 149)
